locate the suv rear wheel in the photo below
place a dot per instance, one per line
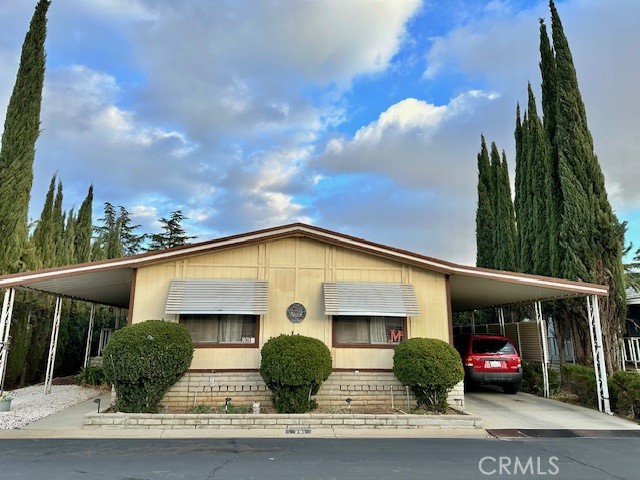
(511, 388)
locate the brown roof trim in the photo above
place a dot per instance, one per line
(301, 229)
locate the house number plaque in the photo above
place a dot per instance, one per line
(296, 312)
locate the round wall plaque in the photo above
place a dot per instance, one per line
(296, 312)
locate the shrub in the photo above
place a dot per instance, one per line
(144, 360)
(430, 368)
(294, 367)
(580, 380)
(532, 381)
(91, 375)
(201, 408)
(624, 388)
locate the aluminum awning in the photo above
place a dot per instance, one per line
(213, 296)
(374, 299)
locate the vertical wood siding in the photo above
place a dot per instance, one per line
(295, 269)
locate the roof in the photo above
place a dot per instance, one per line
(109, 282)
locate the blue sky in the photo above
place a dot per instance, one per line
(360, 116)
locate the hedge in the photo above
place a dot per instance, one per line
(580, 380)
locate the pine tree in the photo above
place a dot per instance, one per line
(84, 229)
(173, 234)
(131, 243)
(108, 243)
(57, 228)
(17, 153)
(485, 218)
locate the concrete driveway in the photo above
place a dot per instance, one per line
(523, 410)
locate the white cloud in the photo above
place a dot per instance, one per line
(414, 142)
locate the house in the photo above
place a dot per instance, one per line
(234, 293)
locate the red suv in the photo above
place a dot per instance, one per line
(489, 360)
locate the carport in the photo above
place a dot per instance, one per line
(112, 282)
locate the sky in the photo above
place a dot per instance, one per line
(359, 116)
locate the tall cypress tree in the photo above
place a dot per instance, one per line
(549, 73)
(577, 235)
(84, 229)
(21, 130)
(541, 197)
(58, 228)
(43, 234)
(504, 232)
(485, 219)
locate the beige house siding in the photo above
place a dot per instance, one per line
(295, 269)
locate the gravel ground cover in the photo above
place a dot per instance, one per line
(30, 403)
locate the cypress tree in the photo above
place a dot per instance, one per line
(83, 229)
(67, 253)
(504, 234)
(17, 153)
(485, 219)
(508, 259)
(44, 231)
(541, 196)
(549, 73)
(58, 228)
(590, 238)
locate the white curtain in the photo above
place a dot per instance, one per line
(231, 329)
(377, 330)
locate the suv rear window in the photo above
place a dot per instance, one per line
(492, 346)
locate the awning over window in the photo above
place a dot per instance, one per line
(375, 299)
(212, 296)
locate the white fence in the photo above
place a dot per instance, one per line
(631, 350)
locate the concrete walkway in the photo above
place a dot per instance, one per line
(72, 417)
(523, 410)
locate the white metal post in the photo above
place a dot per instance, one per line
(597, 348)
(543, 347)
(87, 351)
(501, 321)
(53, 346)
(5, 328)
(473, 321)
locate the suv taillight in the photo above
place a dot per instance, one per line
(468, 362)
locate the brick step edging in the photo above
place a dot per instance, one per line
(277, 421)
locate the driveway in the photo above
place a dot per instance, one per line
(523, 410)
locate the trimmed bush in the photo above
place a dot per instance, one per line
(532, 381)
(430, 368)
(580, 381)
(294, 367)
(144, 360)
(624, 388)
(91, 375)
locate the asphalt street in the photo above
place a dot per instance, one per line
(308, 458)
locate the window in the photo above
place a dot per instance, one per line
(222, 329)
(368, 330)
(493, 346)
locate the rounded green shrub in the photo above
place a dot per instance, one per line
(430, 368)
(533, 379)
(294, 367)
(580, 380)
(143, 360)
(624, 388)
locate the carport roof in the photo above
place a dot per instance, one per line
(109, 282)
